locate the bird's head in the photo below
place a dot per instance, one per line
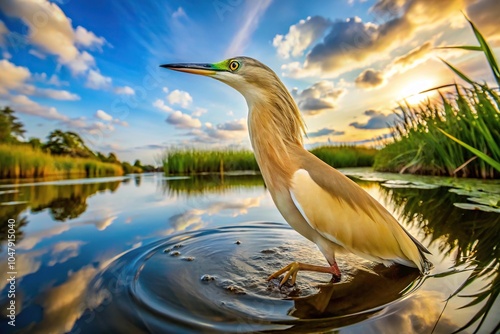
(248, 76)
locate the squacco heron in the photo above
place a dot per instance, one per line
(316, 200)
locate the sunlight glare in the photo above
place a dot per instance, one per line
(410, 92)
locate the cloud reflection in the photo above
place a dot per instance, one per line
(192, 219)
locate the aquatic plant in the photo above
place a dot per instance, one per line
(459, 134)
(346, 156)
(192, 161)
(23, 161)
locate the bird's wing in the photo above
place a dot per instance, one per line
(345, 214)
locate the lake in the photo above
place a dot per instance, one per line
(149, 253)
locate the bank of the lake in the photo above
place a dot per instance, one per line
(23, 161)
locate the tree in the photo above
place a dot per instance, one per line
(10, 127)
(112, 158)
(67, 143)
(137, 163)
(36, 143)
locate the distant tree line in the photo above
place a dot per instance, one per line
(62, 143)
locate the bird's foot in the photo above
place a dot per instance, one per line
(293, 268)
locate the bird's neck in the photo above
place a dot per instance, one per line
(276, 134)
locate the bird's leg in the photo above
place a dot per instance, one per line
(293, 268)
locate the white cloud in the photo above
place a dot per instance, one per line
(179, 13)
(319, 97)
(198, 112)
(37, 54)
(236, 125)
(253, 12)
(125, 90)
(370, 78)
(101, 114)
(23, 104)
(234, 131)
(81, 63)
(101, 127)
(56, 94)
(300, 36)
(79, 122)
(56, 36)
(87, 38)
(54, 80)
(160, 104)
(351, 44)
(376, 120)
(120, 122)
(325, 132)
(179, 97)
(12, 76)
(96, 80)
(183, 121)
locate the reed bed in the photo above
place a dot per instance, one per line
(346, 156)
(22, 161)
(458, 135)
(469, 114)
(194, 161)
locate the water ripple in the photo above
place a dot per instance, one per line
(215, 281)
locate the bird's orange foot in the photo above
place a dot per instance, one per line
(293, 268)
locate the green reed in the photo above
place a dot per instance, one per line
(346, 156)
(471, 115)
(194, 161)
(459, 134)
(22, 161)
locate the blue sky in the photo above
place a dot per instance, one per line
(92, 66)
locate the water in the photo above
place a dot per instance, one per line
(154, 254)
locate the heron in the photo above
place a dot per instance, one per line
(316, 200)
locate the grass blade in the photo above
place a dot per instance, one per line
(481, 155)
(487, 51)
(458, 72)
(465, 47)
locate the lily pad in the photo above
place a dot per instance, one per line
(487, 199)
(405, 184)
(471, 206)
(465, 192)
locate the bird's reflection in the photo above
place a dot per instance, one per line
(367, 290)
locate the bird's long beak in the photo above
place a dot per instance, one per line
(201, 69)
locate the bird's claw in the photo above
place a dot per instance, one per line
(290, 270)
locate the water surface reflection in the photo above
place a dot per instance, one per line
(83, 245)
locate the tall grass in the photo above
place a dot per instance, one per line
(346, 156)
(457, 135)
(471, 115)
(194, 161)
(21, 161)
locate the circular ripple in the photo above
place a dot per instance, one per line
(215, 280)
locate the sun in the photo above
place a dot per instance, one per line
(411, 90)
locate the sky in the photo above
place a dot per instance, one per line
(92, 67)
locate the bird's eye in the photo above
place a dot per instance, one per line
(233, 65)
